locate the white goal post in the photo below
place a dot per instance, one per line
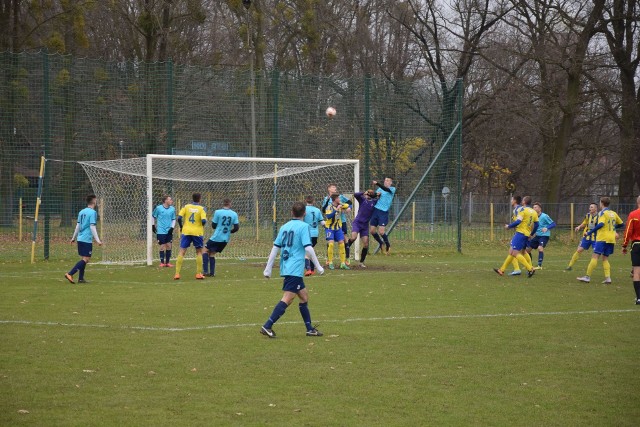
(261, 190)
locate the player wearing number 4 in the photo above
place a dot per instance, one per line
(224, 222)
(164, 221)
(293, 242)
(192, 218)
(608, 223)
(85, 232)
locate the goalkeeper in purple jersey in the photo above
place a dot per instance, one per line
(360, 224)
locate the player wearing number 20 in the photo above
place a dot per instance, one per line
(192, 218)
(224, 222)
(293, 242)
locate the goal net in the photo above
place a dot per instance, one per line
(261, 190)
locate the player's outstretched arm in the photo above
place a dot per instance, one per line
(314, 259)
(270, 261)
(382, 187)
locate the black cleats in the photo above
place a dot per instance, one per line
(268, 332)
(314, 333)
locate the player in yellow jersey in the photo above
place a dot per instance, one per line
(608, 223)
(333, 227)
(528, 210)
(192, 218)
(516, 265)
(588, 223)
(525, 226)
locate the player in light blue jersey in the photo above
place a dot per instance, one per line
(332, 189)
(164, 221)
(85, 232)
(224, 222)
(540, 239)
(293, 242)
(380, 217)
(313, 217)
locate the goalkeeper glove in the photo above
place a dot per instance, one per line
(154, 229)
(170, 232)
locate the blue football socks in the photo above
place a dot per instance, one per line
(212, 265)
(205, 263)
(277, 313)
(306, 315)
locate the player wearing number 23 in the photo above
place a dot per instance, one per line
(293, 242)
(224, 222)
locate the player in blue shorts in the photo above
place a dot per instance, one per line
(540, 239)
(85, 232)
(608, 223)
(525, 224)
(588, 223)
(333, 188)
(164, 221)
(360, 225)
(380, 217)
(333, 230)
(224, 223)
(191, 218)
(293, 242)
(313, 217)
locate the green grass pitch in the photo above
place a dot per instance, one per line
(425, 337)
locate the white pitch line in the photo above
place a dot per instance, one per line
(356, 319)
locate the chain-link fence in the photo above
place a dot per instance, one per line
(70, 109)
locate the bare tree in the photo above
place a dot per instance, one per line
(620, 24)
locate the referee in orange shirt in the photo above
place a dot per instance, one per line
(632, 237)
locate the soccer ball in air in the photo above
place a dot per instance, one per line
(331, 112)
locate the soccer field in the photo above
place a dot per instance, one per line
(415, 339)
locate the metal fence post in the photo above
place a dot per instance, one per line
(46, 123)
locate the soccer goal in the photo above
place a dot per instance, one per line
(261, 190)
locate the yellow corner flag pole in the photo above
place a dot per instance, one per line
(35, 219)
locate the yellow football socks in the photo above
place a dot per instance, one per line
(592, 265)
(343, 252)
(507, 261)
(607, 268)
(524, 261)
(574, 258)
(199, 261)
(330, 251)
(179, 263)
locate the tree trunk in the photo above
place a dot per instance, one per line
(628, 138)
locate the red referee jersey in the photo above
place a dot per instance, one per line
(632, 233)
